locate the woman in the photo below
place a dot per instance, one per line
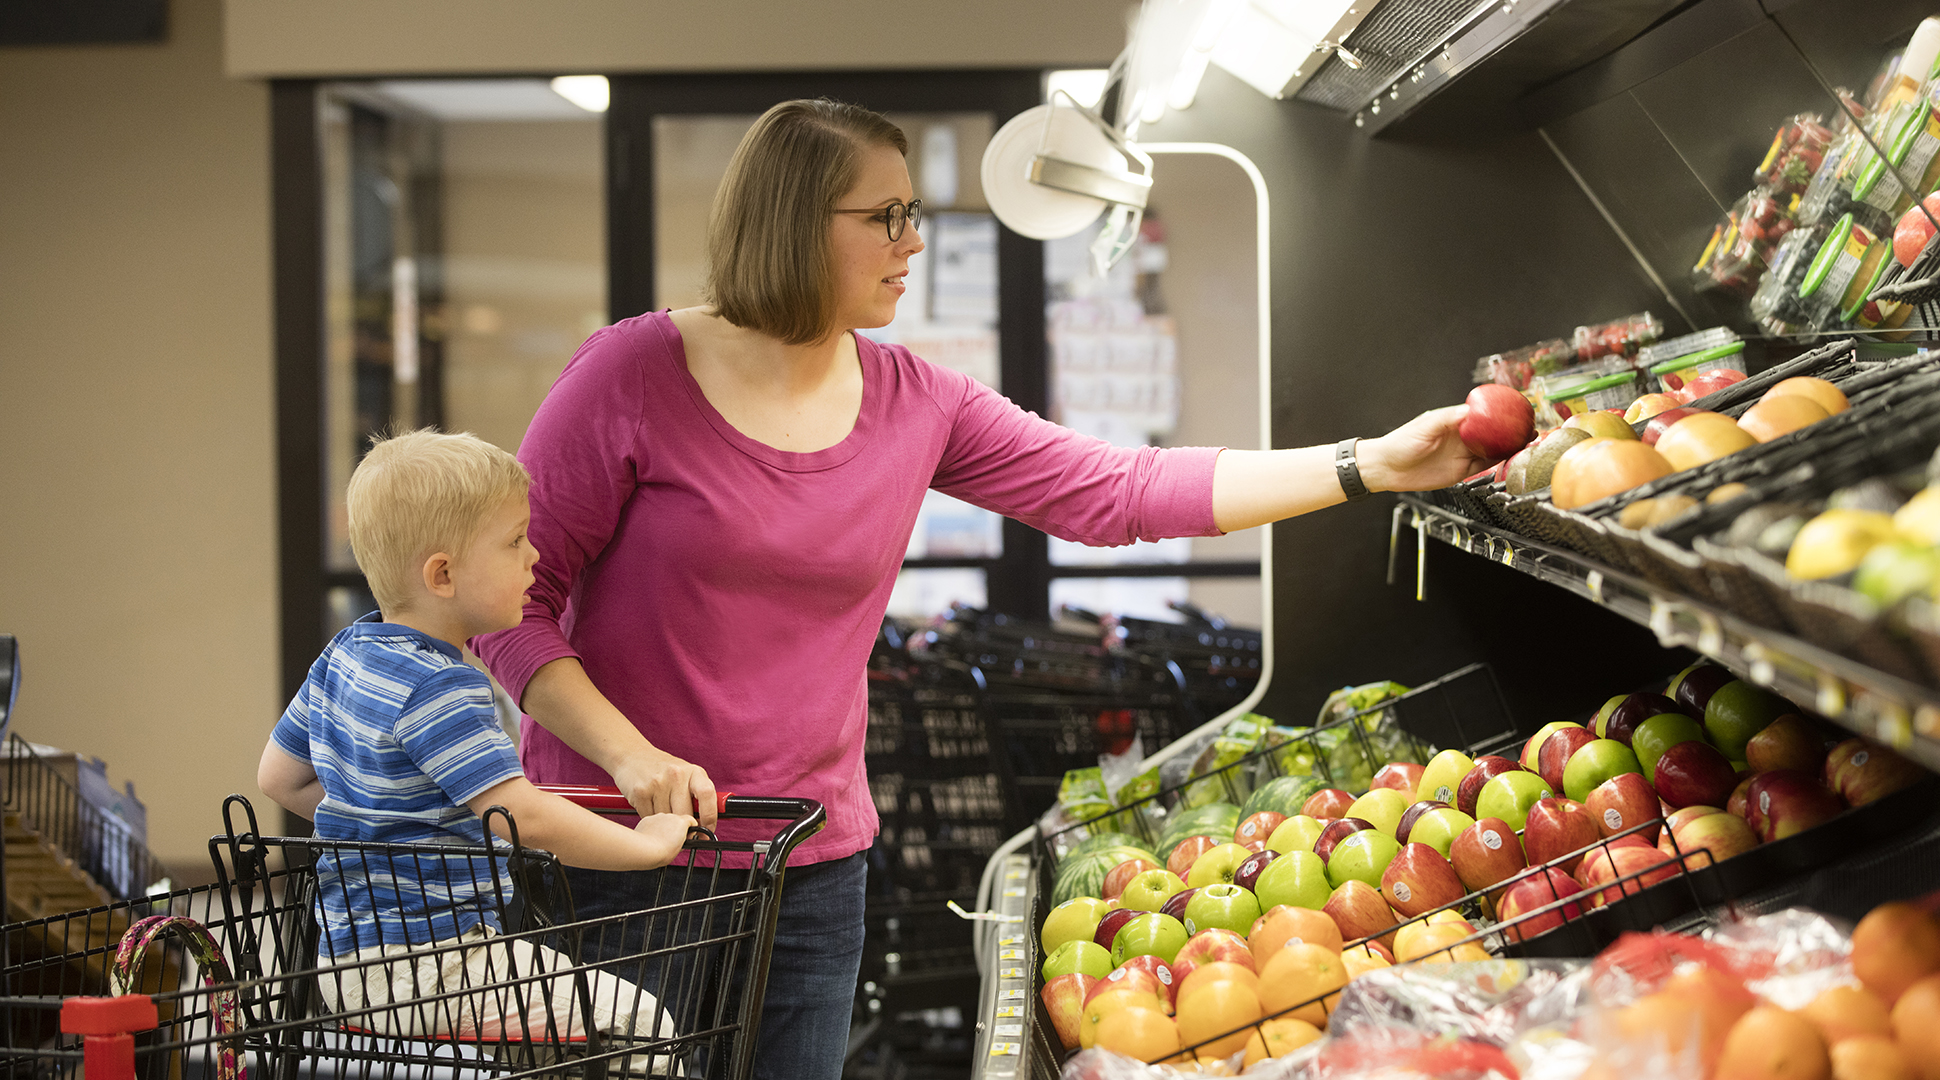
(722, 496)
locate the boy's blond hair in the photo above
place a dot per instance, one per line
(422, 492)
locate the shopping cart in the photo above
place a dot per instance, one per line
(240, 977)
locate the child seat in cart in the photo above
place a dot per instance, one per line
(240, 978)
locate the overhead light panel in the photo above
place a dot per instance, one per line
(589, 92)
(1275, 46)
(1086, 86)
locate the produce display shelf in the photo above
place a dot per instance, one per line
(1872, 703)
(1006, 1006)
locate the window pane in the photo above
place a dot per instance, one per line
(1235, 599)
(920, 594)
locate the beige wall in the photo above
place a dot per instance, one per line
(136, 408)
(375, 37)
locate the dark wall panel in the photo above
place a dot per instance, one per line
(1394, 266)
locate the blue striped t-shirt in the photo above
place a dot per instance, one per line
(401, 732)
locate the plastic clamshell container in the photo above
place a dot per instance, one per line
(1835, 284)
(1609, 392)
(1722, 358)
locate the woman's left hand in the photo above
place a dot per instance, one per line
(1423, 454)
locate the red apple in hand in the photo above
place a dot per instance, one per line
(1539, 889)
(1485, 769)
(1499, 421)
(1622, 802)
(1327, 803)
(1403, 776)
(1555, 753)
(1486, 854)
(1555, 829)
(1064, 999)
(1418, 880)
(1694, 774)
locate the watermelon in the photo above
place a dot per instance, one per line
(1085, 874)
(1099, 841)
(1282, 795)
(1217, 820)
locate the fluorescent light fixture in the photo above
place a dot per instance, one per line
(1270, 43)
(1085, 85)
(589, 92)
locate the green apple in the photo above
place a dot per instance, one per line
(1074, 920)
(1595, 762)
(1083, 957)
(1298, 878)
(1222, 906)
(1443, 775)
(1296, 833)
(1381, 808)
(1362, 856)
(1737, 711)
(1219, 864)
(1658, 734)
(1603, 715)
(1150, 934)
(1509, 796)
(1439, 827)
(1150, 890)
(1535, 743)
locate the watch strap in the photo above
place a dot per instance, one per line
(1349, 470)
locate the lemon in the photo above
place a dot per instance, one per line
(1919, 519)
(1834, 542)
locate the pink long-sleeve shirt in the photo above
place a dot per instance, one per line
(724, 595)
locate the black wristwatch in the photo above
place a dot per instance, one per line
(1348, 471)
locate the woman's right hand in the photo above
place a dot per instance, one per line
(660, 783)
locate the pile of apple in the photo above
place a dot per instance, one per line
(1598, 454)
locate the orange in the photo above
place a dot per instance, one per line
(1916, 1025)
(1283, 1035)
(1213, 1010)
(1893, 947)
(1285, 923)
(1781, 415)
(1302, 974)
(1871, 1057)
(1827, 395)
(1217, 971)
(1596, 468)
(1695, 1009)
(1145, 1034)
(1845, 1011)
(1360, 960)
(1769, 1043)
(1107, 1002)
(1404, 937)
(1702, 437)
(1432, 944)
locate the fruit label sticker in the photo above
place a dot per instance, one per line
(1164, 973)
(1443, 794)
(1491, 839)
(1612, 820)
(1401, 891)
(1191, 929)
(1764, 802)
(1857, 760)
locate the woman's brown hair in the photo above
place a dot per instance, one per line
(768, 262)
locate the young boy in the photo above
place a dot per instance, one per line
(394, 739)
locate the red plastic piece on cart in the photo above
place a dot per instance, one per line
(608, 800)
(108, 1015)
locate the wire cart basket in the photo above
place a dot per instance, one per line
(249, 974)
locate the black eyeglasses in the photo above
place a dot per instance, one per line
(895, 216)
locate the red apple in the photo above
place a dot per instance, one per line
(1538, 890)
(1175, 905)
(1862, 771)
(1555, 753)
(1695, 773)
(1499, 421)
(1556, 828)
(1064, 999)
(1138, 977)
(1606, 868)
(1336, 831)
(1789, 742)
(1711, 382)
(1403, 776)
(1188, 852)
(1695, 688)
(1418, 880)
(1327, 803)
(1737, 803)
(1486, 854)
(1409, 815)
(1485, 768)
(1117, 876)
(1157, 968)
(1624, 801)
(1662, 420)
(1249, 869)
(1723, 835)
(1914, 229)
(1361, 912)
(1108, 926)
(1649, 405)
(1785, 802)
(1257, 827)
(1634, 710)
(1689, 813)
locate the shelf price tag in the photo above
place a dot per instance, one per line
(1832, 695)
(1594, 583)
(1710, 634)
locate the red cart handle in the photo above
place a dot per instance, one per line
(807, 813)
(609, 800)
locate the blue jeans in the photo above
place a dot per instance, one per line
(811, 974)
